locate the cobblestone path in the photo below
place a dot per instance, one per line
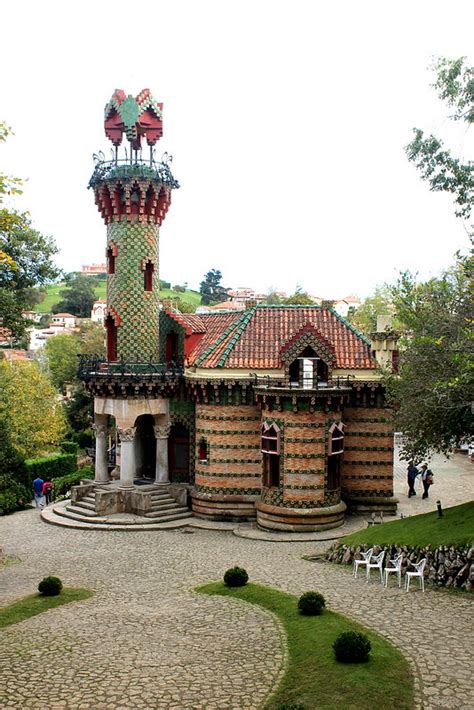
(145, 640)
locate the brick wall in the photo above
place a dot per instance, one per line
(367, 468)
(303, 462)
(232, 434)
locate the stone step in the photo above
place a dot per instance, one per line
(79, 510)
(167, 506)
(162, 501)
(162, 518)
(159, 496)
(88, 499)
(83, 503)
(165, 513)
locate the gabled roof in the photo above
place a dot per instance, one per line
(256, 338)
(191, 322)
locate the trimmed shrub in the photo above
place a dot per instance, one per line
(50, 586)
(62, 484)
(69, 447)
(51, 466)
(352, 647)
(236, 577)
(13, 495)
(311, 603)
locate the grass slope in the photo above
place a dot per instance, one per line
(53, 296)
(456, 527)
(36, 604)
(313, 677)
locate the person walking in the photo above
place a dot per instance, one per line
(38, 492)
(426, 479)
(412, 473)
(48, 491)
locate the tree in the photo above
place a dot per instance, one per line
(298, 298)
(63, 350)
(30, 408)
(62, 356)
(211, 289)
(25, 258)
(78, 296)
(444, 172)
(434, 393)
(364, 318)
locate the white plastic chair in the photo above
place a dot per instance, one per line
(419, 569)
(366, 557)
(396, 567)
(376, 564)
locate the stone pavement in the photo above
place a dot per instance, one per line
(147, 641)
(453, 484)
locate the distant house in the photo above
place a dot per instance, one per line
(343, 305)
(243, 295)
(67, 320)
(5, 337)
(224, 306)
(32, 315)
(98, 311)
(93, 269)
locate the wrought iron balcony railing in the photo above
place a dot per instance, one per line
(132, 168)
(308, 384)
(96, 367)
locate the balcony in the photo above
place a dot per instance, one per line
(305, 385)
(101, 376)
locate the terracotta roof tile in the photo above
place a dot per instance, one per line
(255, 338)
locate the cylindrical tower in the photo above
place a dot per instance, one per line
(133, 196)
(132, 386)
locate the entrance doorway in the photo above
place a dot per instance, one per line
(145, 447)
(178, 453)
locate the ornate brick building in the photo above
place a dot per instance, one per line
(277, 412)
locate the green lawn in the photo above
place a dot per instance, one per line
(53, 296)
(313, 677)
(456, 527)
(36, 604)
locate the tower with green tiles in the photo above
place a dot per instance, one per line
(133, 196)
(131, 387)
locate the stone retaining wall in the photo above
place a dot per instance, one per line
(446, 566)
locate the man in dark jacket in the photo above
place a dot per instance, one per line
(411, 477)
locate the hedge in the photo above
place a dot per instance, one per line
(51, 466)
(13, 495)
(69, 447)
(63, 484)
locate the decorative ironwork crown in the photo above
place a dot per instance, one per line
(140, 117)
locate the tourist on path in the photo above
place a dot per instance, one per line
(426, 479)
(38, 492)
(48, 491)
(411, 477)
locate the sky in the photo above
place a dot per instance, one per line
(286, 121)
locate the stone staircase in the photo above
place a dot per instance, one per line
(164, 509)
(84, 507)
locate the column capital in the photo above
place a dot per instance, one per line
(100, 429)
(162, 432)
(127, 433)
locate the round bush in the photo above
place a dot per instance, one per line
(351, 647)
(311, 603)
(236, 577)
(50, 586)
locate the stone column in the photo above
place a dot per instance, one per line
(127, 456)
(162, 477)
(101, 440)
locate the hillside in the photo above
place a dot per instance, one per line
(53, 296)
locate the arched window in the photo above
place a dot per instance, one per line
(148, 276)
(271, 455)
(110, 261)
(111, 329)
(202, 450)
(335, 451)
